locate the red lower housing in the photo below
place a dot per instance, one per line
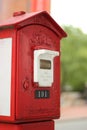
(48, 125)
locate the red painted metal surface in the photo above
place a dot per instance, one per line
(48, 125)
(30, 32)
(28, 107)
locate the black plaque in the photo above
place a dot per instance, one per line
(42, 94)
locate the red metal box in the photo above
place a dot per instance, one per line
(30, 68)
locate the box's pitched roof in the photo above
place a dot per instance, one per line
(22, 17)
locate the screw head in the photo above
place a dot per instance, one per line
(18, 13)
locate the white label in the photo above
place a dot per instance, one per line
(5, 76)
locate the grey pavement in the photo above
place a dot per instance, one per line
(75, 124)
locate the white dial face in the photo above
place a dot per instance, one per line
(44, 67)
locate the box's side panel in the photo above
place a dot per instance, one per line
(7, 74)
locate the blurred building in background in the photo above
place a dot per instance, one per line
(39, 5)
(7, 7)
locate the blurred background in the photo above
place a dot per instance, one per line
(71, 15)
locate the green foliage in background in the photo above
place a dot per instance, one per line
(74, 59)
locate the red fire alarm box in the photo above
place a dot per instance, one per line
(30, 67)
